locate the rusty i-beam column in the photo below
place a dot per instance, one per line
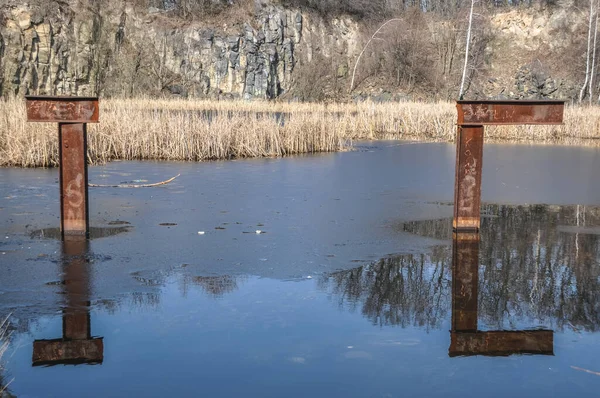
(472, 117)
(467, 183)
(72, 114)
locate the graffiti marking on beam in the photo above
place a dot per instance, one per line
(469, 180)
(74, 198)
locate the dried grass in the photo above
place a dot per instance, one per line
(198, 130)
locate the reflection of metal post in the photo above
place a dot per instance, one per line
(472, 117)
(76, 345)
(72, 114)
(465, 279)
(465, 339)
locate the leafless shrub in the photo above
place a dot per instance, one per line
(318, 80)
(358, 8)
(407, 52)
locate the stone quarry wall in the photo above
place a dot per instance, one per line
(66, 50)
(118, 48)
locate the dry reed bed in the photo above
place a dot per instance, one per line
(204, 130)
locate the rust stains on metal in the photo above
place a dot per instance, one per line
(62, 109)
(72, 114)
(467, 183)
(73, 179)
(509, 112)
(472, 117)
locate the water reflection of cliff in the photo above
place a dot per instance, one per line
(214, 286)
(538, 267)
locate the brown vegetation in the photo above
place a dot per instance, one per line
(208, 130)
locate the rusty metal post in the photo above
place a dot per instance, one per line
(472, 117)
(467, 183)
(72, 114)
(74, 207)
(76, 345)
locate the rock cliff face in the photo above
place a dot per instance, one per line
(254, 49)
(47, 53)
(536, 55)
(68, 49)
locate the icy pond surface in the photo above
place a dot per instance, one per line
(352, 287)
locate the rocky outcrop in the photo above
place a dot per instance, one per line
(530, 82)
(535, 55)
(48, 54)
(65, 50)
(259, 49)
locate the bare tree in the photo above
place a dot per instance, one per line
(365, 47)
(588, 53)
(461, 92)
(409, 52)
(593, 70)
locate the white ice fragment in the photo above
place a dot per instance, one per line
(309, 277)
(200, 232)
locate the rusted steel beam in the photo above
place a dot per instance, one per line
(62, 109)
(72, 114)
(467, 183)
(472, 117)
(480, 113)
(76, 345)
(502, 343)
(74, 207)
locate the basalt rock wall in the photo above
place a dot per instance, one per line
(116, 48)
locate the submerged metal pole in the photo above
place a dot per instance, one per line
(77, 345)
(72, 114)
(465, 337)
(465, 281)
